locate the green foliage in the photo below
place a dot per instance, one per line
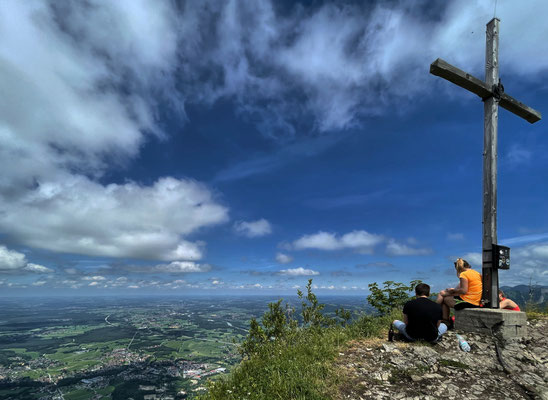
(255, 338)
(286, 361)
(344, 315)
(275, 322)
(297, 368)
(393, 296)
(311, 309)
(535, 311)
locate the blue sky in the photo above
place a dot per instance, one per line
(245, 147)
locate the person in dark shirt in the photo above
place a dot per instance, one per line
(421, 317)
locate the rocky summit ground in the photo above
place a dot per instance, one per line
(377, 369)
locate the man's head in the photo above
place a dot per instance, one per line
(422, 289)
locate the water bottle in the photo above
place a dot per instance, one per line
(464, 346)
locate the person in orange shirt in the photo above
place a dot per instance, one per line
(507, 303)
(467, 294)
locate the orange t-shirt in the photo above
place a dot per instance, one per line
(473, 296)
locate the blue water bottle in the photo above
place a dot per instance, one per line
(464, 346)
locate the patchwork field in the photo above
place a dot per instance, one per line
(120, 348)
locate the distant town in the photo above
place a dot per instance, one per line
(118, 348)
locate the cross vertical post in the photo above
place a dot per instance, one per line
(490, 274)
(492, 93)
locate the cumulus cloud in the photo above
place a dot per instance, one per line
(283, 258)
(395, 248)
(253, 229)
(83, 122)
(37, 268)
(528, 263)
(12, 261)
(182, 267)
(143, 222)
(473, 258)
(360, 241)
(298, 272)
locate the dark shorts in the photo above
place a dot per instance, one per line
(460, 304)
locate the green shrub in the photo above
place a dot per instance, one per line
(393, 296)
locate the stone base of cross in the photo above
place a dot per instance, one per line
(492, 93)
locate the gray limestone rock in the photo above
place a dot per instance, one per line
(417, 370)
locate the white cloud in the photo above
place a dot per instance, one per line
(42, 61)
(473, 259)
(395, 248)
(267, 55)
(528, 264)
(14, 262)
(39, 283)
(37, 268)
(182, 267)
(283, 258)
(524, 239)
(143, 222)
(253, 229)
(11, 259)
(298, 272)
(360, 241)
(94, 278)
(49, 192)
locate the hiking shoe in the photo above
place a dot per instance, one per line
(391, 334)
(450, 324)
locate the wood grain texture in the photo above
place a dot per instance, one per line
(460, 78)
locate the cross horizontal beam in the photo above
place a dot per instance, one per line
(460, 78)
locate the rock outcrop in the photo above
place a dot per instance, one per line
(493, 369)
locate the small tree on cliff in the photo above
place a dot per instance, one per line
(393, 295)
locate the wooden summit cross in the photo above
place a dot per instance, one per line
(492, 93)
